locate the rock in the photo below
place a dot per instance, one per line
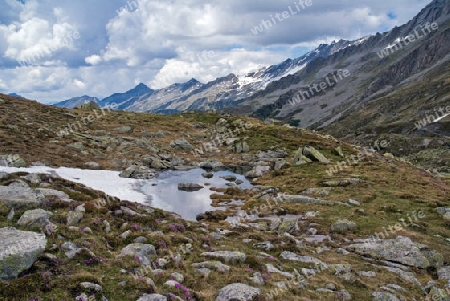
(139, 251)
(314, 155)
(382, 296)
(271, 154)
(152, 297)
(341, 182)
(444, 212)
(343, 226)
(299, 158)
(11, 214)
(35, 218)
(12, 161)
(281, 164)
(3, 175)
(444, 274)
(94, 165)
(207, 175)
(189, 186)
(367, 274)
(288, 225)
(138, 172)
(305, 259)
(230, 178)
(212, 265)
(124, 129)
(257, 278)
(401, 250)
(74, 217)
(257, 171)
(32, 178)
(238, 291)
(60, 195)
(70, 249)
(226, 256)
(177, 277)
(18, 197)
(301, 199)
(338, 151)
(272, 269)
(204, 272)
(128, 211)
(91, 286)
(264, 245)
(88, 106)
(171, 283)
(353, 202)
(181, 144)
(18, 251)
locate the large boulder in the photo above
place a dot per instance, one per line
(18, 251)
(401, 250)
(238, 292)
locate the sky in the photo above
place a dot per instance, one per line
(52, 50)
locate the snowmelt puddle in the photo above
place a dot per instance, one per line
(161, 192)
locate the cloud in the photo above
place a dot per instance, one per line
(163, 42)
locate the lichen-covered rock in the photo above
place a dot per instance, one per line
(238, 291)
(17, 197)
(18, 251)
(12, 161)
(74, 217)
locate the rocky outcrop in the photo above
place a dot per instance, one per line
(181, 144)
(401, 250)
(35, 218)
(18, 251)
(12, 161)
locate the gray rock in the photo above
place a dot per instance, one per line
(12, 161)
(70, 249)
(238, 291)
(177, 277)
(401, 249)
(212, 265)
(171, 283)
(301, 199)
(35, 218)
(257, 171)
(3, 175)
(152, 297)
(444, 274)
(32, 178)
(207, 175)
(230, 178)
(140, 251)
(367, 274)
(343, 226)
(18, 197)
(189, 186)
(257, 278)
(226, 256)
(138, 172)
(204, 272)
(128, 211)
(281, 164)
(181, 144)
(382, 296)
(271, 269)
(60, 195)
(305, 259)
(353, 202)
(314, 155)
(91, 286)
(74, 217)
(264, 245)
(11, 214)
(18, 251)
(124, 129)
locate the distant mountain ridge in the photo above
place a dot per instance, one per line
(223, 92)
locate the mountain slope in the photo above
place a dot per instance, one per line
(75, 101)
